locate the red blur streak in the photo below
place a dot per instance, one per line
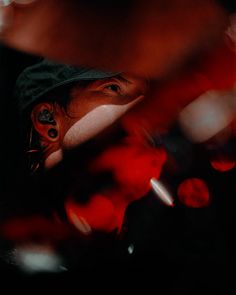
(222, 164)
(133, 164)
(194, 193)
(18, 229)
(98, 213)
(216, 70)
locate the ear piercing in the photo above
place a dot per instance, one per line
(46, 117)
(52, 133)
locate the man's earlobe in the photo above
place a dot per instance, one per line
(44, 122)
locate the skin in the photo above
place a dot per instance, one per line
(90, 110)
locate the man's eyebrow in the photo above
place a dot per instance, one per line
(123, 79)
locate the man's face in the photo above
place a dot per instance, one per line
(98, 105)
(92, 109)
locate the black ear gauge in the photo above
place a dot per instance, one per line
(46, 117)
(52, 133)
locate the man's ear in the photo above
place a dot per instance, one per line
(44, 119)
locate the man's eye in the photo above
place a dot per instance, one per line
(113, 87)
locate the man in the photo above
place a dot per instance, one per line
(63, 108)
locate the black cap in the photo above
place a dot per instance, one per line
(38, 80)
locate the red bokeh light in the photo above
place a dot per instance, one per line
(223, 163)
(194, 193)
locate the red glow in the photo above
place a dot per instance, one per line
(34, 227)
(132, 164)
(194, 193)
(98, 212)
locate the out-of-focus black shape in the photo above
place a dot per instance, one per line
(12, 62)
(229, 5)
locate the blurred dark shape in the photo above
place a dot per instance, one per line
(177, 147)
(144, 37)
(12, 62)
(230, 5)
